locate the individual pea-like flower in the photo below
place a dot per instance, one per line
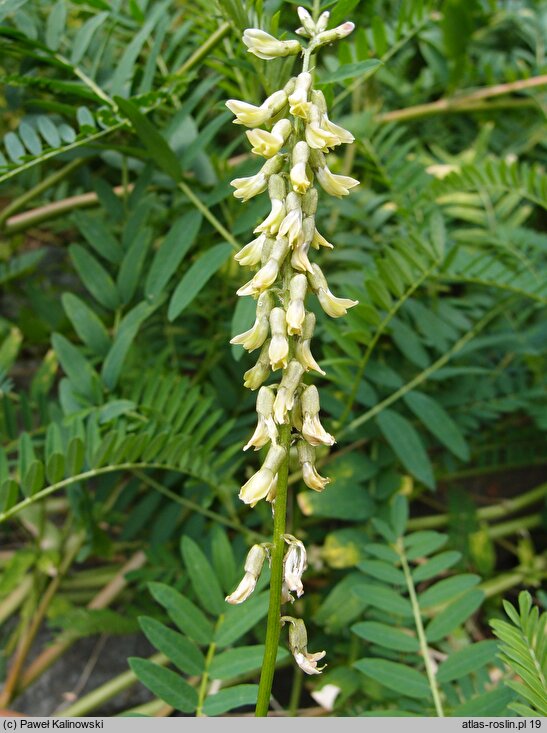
(252, 116)
(266, 143)
(291, 226)
(333, 306)
(298, 643)
(276, 191)
(299, 258)
(257, 375)
(319, 240)
(273, 221)
(318, 99)
(253, 567)
(279, 346)
(266, 429)
(250, 186)
(334, 34)
(312, 430)
(299, 175)
(331, 183)
(294, 564)
(298, 100)
(286, 392)
(306, 456)
(267, 47)
(258, 333)
(296, 311)
(259, 485)
(268, 273)
(303, 349)
(317, 137)
(250, 254)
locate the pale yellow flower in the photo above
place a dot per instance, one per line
(266, 143)
(298, 100)
(267, 47)
(334, 184)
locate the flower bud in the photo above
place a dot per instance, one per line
(294, 564)
(298, 644)
(298, 99)
(306, 456)
(267, 47)
(296, 312)
(309, 202)
(334, 34)
(312, 430)
(279, 346)
(253, 567)
(306, 20)
(322, 22)
(258, 374)
(266, 428)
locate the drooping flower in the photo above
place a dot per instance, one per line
(266, 428)
(296, 311)
(298, 100)
(267, 47)
(260, 483)
(312, 430)
(279, 346)
(250, 254)
(298, 175)
(306, 456)
(298, 643)
(253, 567)
(294, 564)
(252, 116)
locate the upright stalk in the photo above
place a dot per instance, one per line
(424, 649)
(288, 412)
(276, 580)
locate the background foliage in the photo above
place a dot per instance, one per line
(123, 411)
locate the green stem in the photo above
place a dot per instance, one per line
(202, 693)
(211, 218)
(97, 697)
(296, 691)
(276, 580)
(379, 331)
(35, 191)
(29, 501)
(424, 649)
(504, 508)
(204, 49)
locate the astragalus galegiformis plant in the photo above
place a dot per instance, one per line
(299, 135)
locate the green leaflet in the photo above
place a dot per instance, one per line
(195, 278)
(166, 684)
(171, 252)
(180, 650)
(438, 422)
(395, 676)
(202, 576)
(407, 446)
(188, 617)
(233, 697)
(467, 660)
